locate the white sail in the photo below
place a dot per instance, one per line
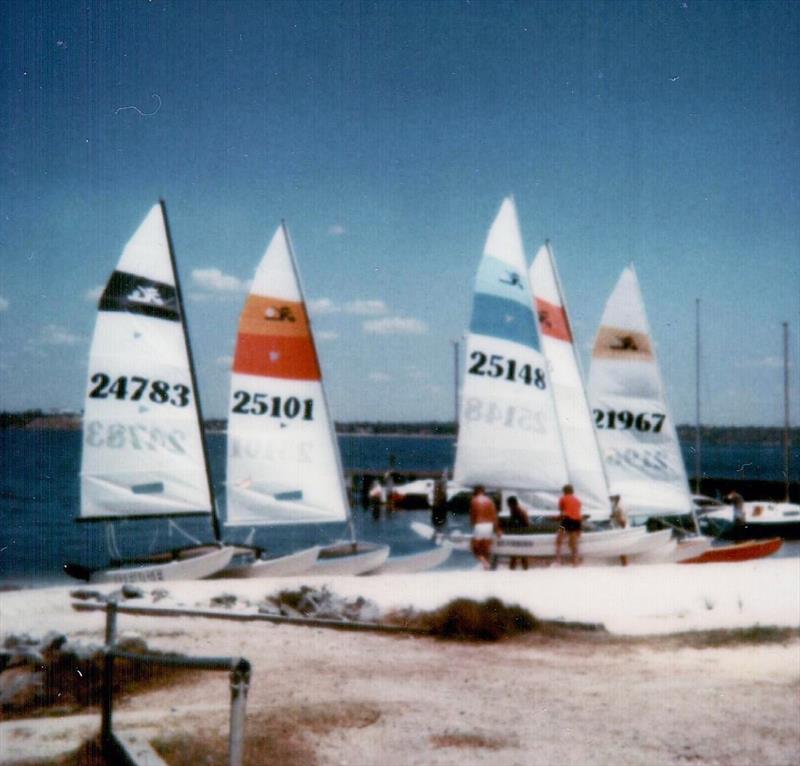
(142, 443)
(283, 459)
(636, 431)
(581, 448)
(508, 434)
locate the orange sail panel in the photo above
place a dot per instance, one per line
(553, 320)
(275, 340)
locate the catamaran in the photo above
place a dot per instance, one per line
(634, 427)
(283, 458)
(509, 436)
(144, 454)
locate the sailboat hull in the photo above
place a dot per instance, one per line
(282, 566)
(746, 551)
(345, 558)
(415, 562)
(188, 567)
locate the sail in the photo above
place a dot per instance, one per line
(142, 444)
(283, 458)
(581, 448)
(508, 434)
(636, 432)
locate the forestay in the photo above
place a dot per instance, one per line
(508, 435)
(283, 460)
(581, 448)
(142, 444)
(636, 432)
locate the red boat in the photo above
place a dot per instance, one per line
(750, 549)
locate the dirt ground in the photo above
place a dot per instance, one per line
(324, 697)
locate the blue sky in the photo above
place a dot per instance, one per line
(386, 134)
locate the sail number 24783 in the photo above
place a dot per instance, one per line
(498, 366)
(275, 406)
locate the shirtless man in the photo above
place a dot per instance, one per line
(485, 526)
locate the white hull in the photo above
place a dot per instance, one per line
(282, 566)
(195, 568)
(761, 513)
(340, 559)
(680, 550)
(415, 562)
(614, 542)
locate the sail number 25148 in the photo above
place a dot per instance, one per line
(274, 406)
(498, 366)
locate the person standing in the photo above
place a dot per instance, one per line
(485, 526)
(517, 522)
(737, 501)
(570, 524)
(439, 504)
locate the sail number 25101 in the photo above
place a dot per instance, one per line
(498, 366)
(274, 406)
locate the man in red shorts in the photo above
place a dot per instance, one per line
(485, 525)
(570, 522)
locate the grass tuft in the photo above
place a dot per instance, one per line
(465, 619)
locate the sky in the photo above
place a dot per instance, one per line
(386, 134)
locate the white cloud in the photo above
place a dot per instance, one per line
(337, 230)
(4, 304)
(322, 306)
(224, 361)
(324, 335)
(213, 279)
(93, 294)
(366, 307)
(395, 326)
(55, 335)
(379, 377)
(416, 374)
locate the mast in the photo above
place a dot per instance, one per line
(331, 426)
(786, 410)
(697, 441)
(455, 384)
(575, 353)
(198, 408)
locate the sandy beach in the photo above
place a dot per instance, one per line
(621, 696)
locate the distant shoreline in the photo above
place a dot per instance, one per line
(36, 420)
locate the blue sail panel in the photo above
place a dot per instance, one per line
(504, 318)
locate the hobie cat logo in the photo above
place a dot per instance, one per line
(513, 279)
(279, 314)
(616, 343)
(146, 294)
(624, 343)
(544, 319)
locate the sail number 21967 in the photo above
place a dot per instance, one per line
(622, 420)
(274, 406)
(498, 366)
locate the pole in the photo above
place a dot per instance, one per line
(108, 678)
(698, 463)
(240, 683)
(455, 383)
(786, 450)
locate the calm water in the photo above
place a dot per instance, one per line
(39, 497)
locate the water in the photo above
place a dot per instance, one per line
(39, 498)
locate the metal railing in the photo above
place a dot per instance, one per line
(238, 667)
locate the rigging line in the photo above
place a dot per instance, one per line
(189, 537)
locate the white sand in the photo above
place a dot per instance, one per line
(642, 600)
(393, 700)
